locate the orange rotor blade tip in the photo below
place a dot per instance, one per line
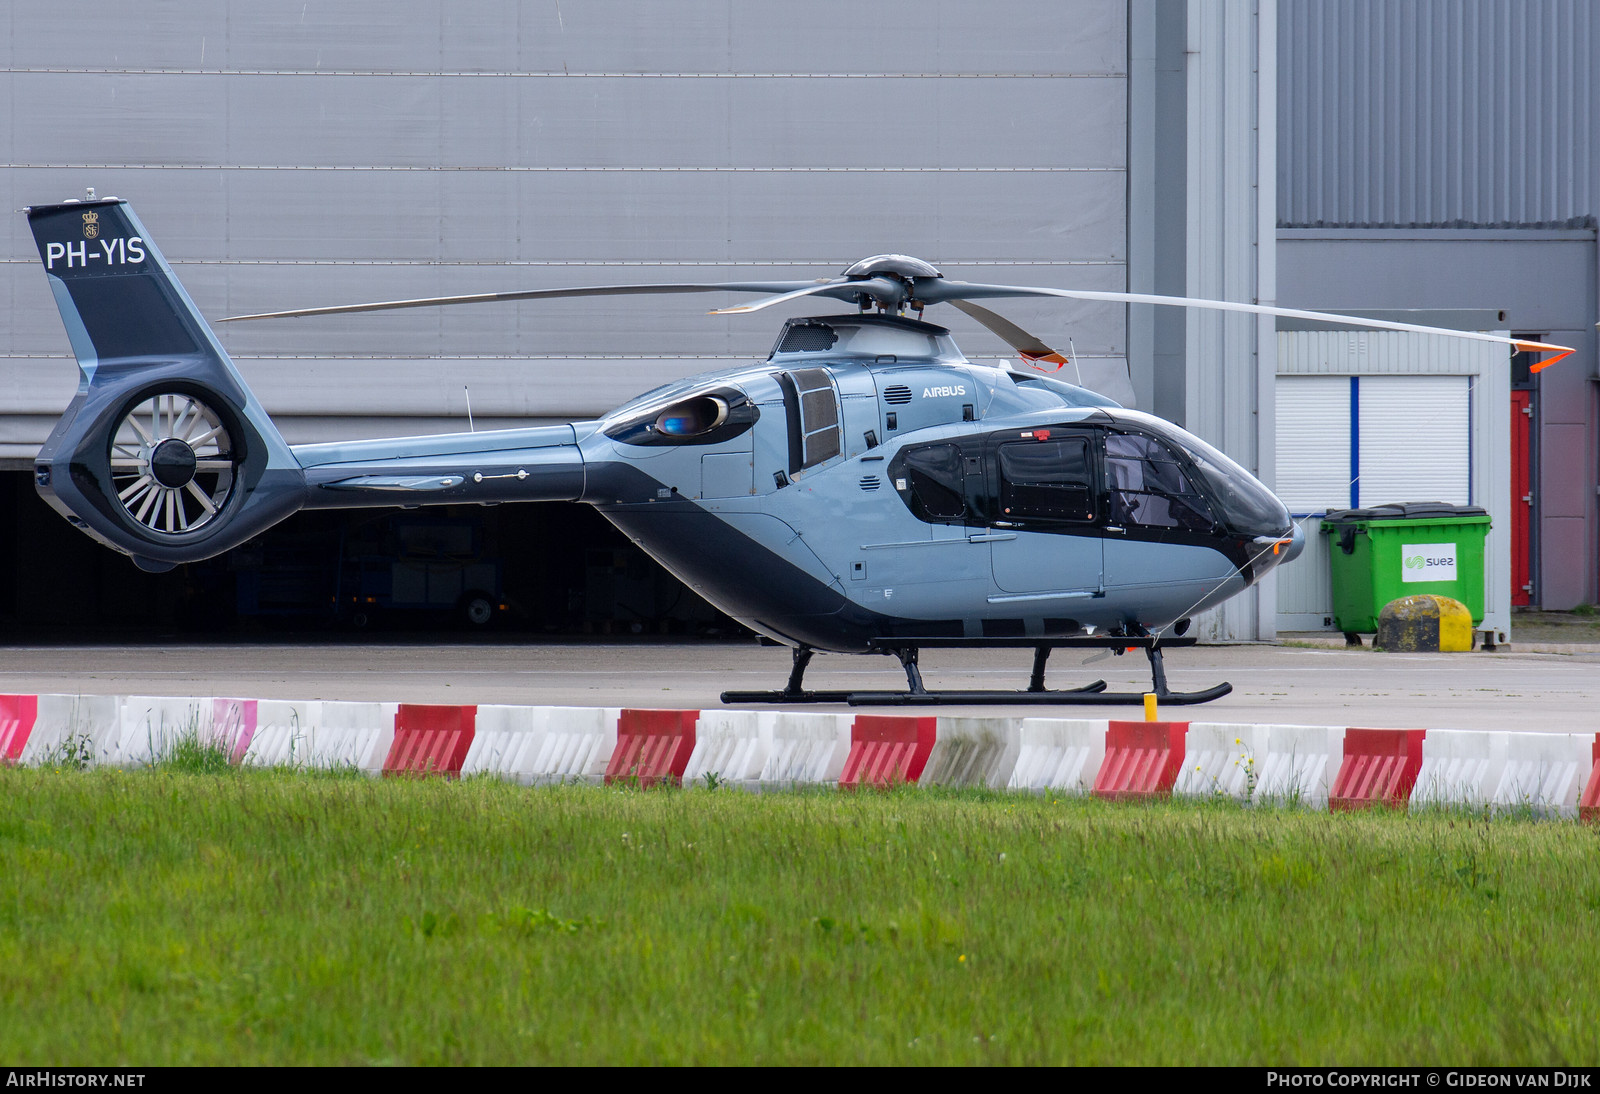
(1534, 347)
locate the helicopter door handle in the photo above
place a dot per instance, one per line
(991, 537)
(1119, 529)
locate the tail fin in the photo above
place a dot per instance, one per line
(164, 454)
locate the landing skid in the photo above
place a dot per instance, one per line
(1036, 694)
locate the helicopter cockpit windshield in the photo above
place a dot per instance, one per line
(1236, 497)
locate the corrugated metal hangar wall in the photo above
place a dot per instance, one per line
(1444, 154)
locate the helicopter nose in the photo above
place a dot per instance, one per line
(1297, 543)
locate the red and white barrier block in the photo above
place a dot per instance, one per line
(973, 752)
(653, 746)
(1220, 761)
(806, 748)
(1062, 754)
(430, 739)
(1545, 772)
(1142, 760)
(283, 733)
(233, 724)
(729, 746)
(1297, 765)
(888, 749)
(155, 727)
(17, 715)
(1313, 766)
(1380, 768)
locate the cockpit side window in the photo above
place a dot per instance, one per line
(1047, 480)
(1148, 486)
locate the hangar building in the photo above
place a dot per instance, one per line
(287, 154)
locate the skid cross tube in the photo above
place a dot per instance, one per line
(1036, 694)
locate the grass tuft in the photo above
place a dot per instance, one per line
(187, 754)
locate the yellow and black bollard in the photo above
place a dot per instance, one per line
(1427, 623)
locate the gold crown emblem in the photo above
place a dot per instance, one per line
(91, 225)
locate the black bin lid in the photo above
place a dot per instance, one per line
(1405, 510)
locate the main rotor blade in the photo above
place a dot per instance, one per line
(884, 290)
(531, 294)
(1029, 346)
(942, 291)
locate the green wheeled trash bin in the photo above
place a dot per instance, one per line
(1388, 551)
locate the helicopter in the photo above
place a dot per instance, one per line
(865, 489)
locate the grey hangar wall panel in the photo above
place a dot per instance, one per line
(288, 154)
(427, 120)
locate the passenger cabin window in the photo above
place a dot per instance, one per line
(1046, 481)
(813, 407)
(933, 476)
(1148, 487)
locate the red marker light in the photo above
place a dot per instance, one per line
(1041, 434)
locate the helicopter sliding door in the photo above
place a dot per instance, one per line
(1043, 481)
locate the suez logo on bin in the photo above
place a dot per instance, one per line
(1427, 562)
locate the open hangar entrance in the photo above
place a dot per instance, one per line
(553, 569)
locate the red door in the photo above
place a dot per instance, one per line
(1521, 496)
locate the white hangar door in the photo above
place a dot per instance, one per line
(1347, 442)
(1365, 418)
(1350, 442)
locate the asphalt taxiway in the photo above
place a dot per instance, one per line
(1536, 687)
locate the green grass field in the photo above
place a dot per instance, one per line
(160, 917)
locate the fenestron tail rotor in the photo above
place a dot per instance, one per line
(172, 463)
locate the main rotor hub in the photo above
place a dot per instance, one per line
(903, 267)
